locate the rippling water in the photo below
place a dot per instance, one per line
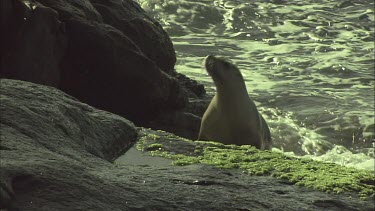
(308, 65)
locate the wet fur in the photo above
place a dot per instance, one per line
(232, 117)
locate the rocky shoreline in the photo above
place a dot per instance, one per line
(81, 84)
(60, 154)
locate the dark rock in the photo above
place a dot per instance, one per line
(198, 106)
(184, 123)
(12, 17)
(109, 54)
(196, 89)
(68, 9)
(181, 123)
(51, 119)
(106, 69)
(128, 17)
(46, 133)
(34, 45)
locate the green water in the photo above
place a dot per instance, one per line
(308, 65)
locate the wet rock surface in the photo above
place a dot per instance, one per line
(58, 153)
(48, 137)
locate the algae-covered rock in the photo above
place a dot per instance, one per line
(326, 177)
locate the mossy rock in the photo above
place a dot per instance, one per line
(327, 177)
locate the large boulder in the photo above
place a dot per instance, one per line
(47, 135)
(106, 69)
(49, 118)
(33, 43)
(109, 54)
(128, 17)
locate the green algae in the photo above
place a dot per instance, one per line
(326, 177)
(153, 147)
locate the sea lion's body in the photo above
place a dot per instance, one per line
(232, 117)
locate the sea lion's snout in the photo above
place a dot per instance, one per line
(209, 63)
(210, 57)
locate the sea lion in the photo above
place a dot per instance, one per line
(232, 117)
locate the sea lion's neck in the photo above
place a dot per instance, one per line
(231, 90)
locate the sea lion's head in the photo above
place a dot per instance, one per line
(222, 70)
